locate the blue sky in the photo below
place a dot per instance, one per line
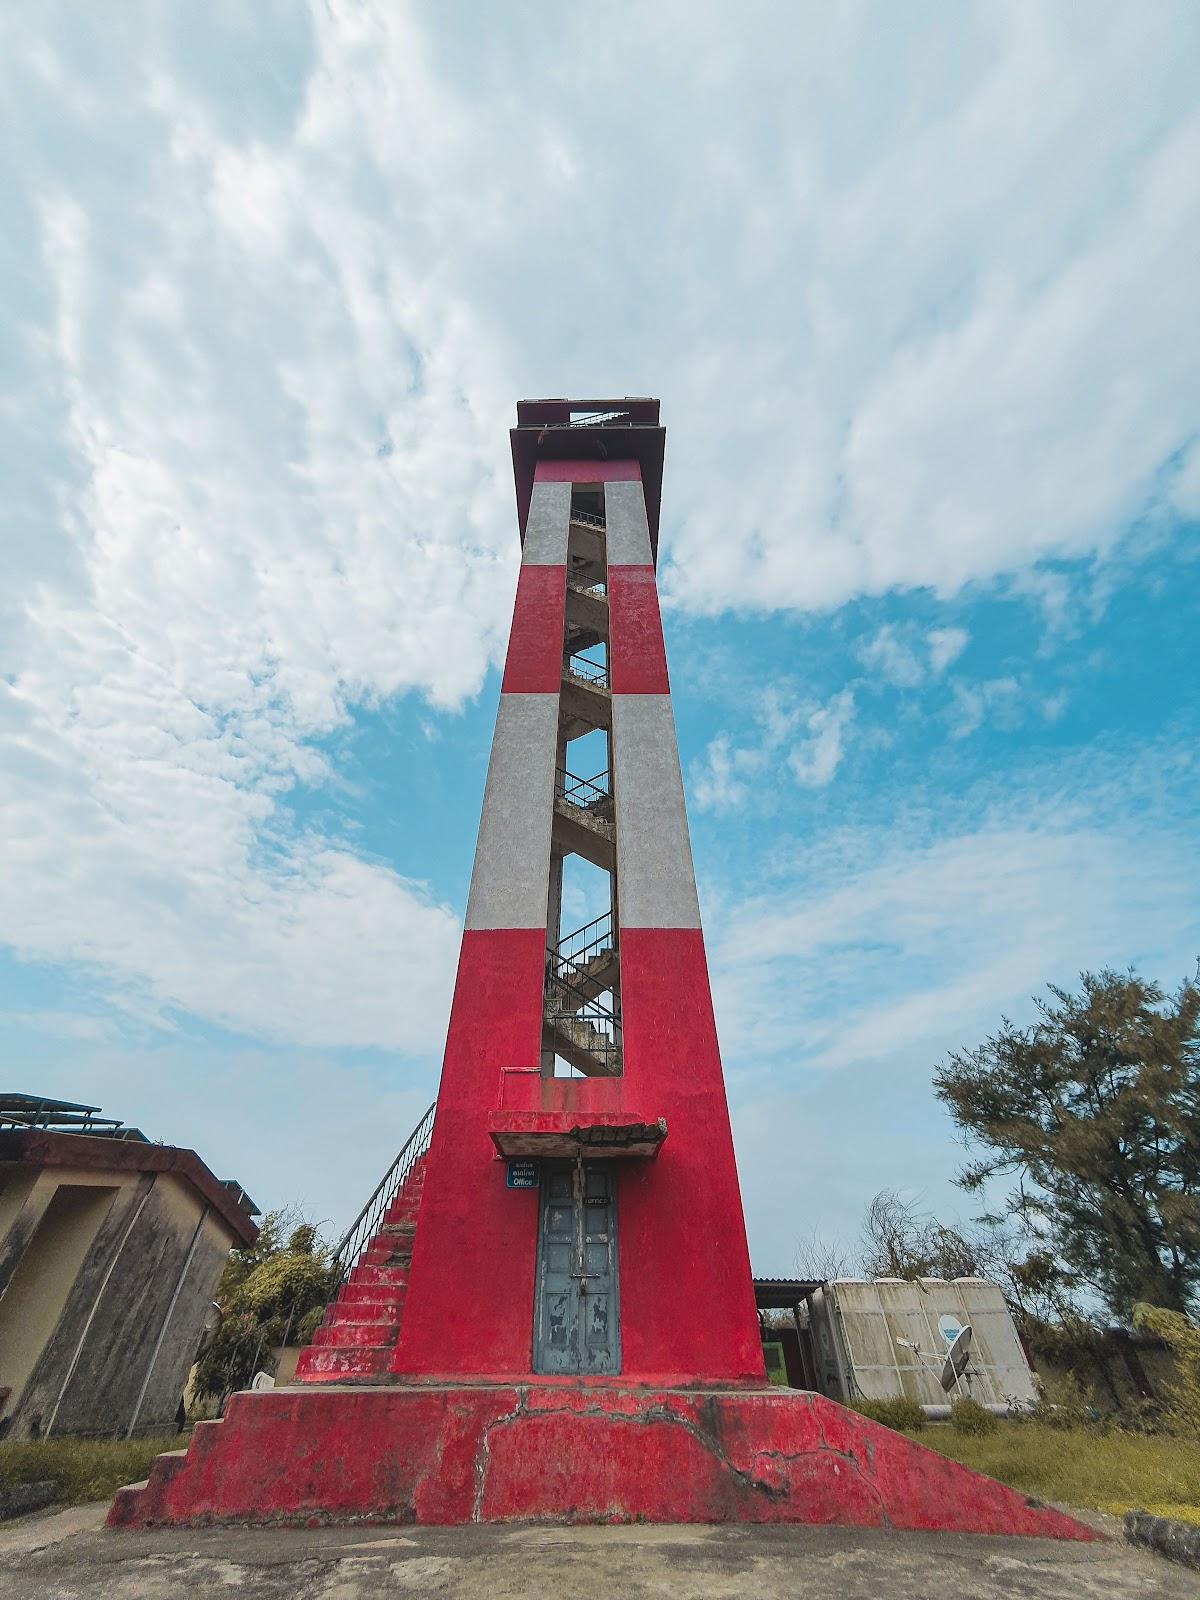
(917, 288)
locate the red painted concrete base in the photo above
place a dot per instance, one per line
(570, 1453)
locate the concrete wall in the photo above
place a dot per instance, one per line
(886, 1338)
(108, 1279)
(687, 1303)
(70, 1216)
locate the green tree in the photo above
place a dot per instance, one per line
(1095, 1111)
(899, 1240)
(272, 1292)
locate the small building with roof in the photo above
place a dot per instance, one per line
(110, 1250)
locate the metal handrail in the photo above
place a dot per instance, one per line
(365, 1226)
(582, 585)
(589, 519)
(600, 936)
(595, 672)
(596, 419)
(568, 1002)
(582, 792)
(573, 994)
(566, 981)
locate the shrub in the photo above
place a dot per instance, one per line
(1182, 1410)
(900, 1413)
(968, 1416)
(1064, 1403)
(270, 1293)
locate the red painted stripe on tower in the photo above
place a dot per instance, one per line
(468, 1217)
(637, 653)
(588, 472)
(535, 645)
(690, 1193)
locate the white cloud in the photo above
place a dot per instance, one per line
(892, 658)
(725, 779)
(274, 317)
(945, 645)
(872, 953)
(905, 658)
(987, 371)
(716, 785)
(931, 942)
(815, 760)
(999, 700)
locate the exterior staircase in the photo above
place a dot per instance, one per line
(355, 1341)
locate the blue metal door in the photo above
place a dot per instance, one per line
(576, 1317)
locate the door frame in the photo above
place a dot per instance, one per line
(578, 1167)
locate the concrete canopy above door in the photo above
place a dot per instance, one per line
(553, 1134)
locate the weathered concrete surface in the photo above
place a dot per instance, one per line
(47, 1560)
(509, 882)
(576, 1452)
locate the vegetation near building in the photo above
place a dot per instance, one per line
(1092, 1115)
(273, 1293)
(1095, 1112)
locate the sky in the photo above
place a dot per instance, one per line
(917, 288)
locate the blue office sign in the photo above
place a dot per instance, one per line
(524, 1174)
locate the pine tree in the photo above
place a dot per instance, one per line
(1095, 1111)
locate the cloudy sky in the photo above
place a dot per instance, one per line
(917, 287)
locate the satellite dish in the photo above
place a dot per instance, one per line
(956, 1358)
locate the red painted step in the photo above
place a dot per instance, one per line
(354, 1311)
(352, 1335)
(360, 1328)
(395, 1276)
(371, 1294)
(338, 1366)
(568, 1452)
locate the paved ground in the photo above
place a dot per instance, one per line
(69, 1556)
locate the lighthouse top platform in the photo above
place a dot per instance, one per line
(559, 431)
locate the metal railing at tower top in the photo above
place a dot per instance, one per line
(366, 1225)
(600, 419)
(582, 792)
(593, 672)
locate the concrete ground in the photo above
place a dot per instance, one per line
(69, 1556)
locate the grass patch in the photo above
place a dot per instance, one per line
(1110, 1472)
(82, 1469)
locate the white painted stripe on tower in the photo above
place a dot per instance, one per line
(546, 527)
(511, 877)
(657, 886)
(628, 530)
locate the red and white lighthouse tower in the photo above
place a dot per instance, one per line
(548, 1312)
(635, 1219)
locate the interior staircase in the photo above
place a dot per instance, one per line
(581, 1020)
(358, 1334)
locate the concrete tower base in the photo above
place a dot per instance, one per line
(567, 1452)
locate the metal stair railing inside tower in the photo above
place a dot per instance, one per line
(366, 1225)
(593, 672)
(593, 939)
(589, 519)
(573, 994)
(589, 1024)
(582, 584)
(587, 794)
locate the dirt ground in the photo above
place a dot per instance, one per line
(68, 1555)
